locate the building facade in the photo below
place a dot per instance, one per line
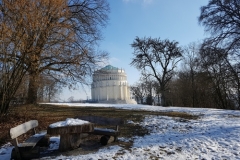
(110, 86)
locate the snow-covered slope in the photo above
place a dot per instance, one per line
(216, 135)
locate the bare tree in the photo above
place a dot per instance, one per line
(145, 90)
(71, 99)
(151, 88)
(191, 66)
(10, 80)
(12, 68)
(138, 91)
(57, 37)
(215, 61)
(49, 89)
(181, 90)
(222, 19)
(158, 58)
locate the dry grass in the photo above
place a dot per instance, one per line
(47, 114)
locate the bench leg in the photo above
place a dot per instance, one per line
(26, 153)
(69, 141)
(106, 139)
(16, 151)
(115, 139)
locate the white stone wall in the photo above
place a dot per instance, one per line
(110, 85)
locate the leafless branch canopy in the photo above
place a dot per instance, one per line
(55, 37)
(222, 19)
(158, 58)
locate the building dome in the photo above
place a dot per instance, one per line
(110, 86)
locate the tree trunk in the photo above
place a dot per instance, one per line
(163, 99)
(33, 88)
(158, 99)
(4, 105)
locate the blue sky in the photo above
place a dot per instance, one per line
(165, 19)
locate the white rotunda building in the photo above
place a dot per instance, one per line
(110, 86)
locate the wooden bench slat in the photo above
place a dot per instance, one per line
(102, 120)
(109, 132)
(23, 128)
(33, 140)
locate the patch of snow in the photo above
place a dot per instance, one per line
(216, 135)
(105, 153)
(39, 134)
(54, 143)
(68, 122)
(5, 151)
(123, 139)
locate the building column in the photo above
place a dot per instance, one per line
(121, 92)
(107, 92)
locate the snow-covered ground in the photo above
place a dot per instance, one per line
(216, 135)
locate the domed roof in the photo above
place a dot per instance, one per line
(109, 67)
